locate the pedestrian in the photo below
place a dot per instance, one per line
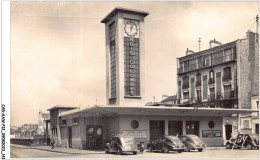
(52, 143)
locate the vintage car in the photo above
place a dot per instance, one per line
(166, 144)
(249, 141)
(192, 142)
(121, 144)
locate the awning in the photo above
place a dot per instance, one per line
(157, 110)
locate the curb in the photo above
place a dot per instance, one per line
(49, 150)
(217, 148)
(28, 147)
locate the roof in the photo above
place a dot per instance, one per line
(61, 107)
(209, 49)
(125, 10)
(170, 98)
(156, 110)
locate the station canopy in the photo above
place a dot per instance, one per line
(157, 110)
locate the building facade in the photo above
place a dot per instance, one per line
(224, 76)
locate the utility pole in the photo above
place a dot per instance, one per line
(199, 43)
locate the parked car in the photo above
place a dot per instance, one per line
(121, 144)
(166, 144)
(249, 141)
(192, 142)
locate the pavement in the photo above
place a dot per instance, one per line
(78, 151)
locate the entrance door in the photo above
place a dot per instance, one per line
(94, 136)
(156, 129)
(175, 128)
(192, 127)
(70, 137)
(228, 131)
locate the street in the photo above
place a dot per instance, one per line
(35, 153)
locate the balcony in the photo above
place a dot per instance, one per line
(227, 99)
(207, 63)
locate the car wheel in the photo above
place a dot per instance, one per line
(179, 151)
(200, 150)
(134, 153)
(149, 149)
(249, 146)
(166, 149)
(228, 146)
(106, 152)
(119, 151)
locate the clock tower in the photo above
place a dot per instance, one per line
(125, 57)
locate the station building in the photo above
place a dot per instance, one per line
(125, 111)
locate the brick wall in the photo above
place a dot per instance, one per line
(248, 76)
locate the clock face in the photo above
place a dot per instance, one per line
(131, 28)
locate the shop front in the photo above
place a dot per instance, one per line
(93, 127)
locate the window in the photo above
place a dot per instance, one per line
(193, 64)
(246, 124)
(227, 74)
(211, 77)
(112, 33)
(63, 122)
(192, 127)
(186, 66)
(200, 62)
(198, 80)
(75, 120)
(185, 84)
(257, 128)
(217, 58)
(227, 92)
(212, 94)
(206, 60)
(228, 55)
(186, 95)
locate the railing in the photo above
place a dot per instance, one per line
(206, 63)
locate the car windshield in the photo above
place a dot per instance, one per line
(174, 139)
(127, 140)
(196, 139)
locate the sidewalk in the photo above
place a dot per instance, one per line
(59, 150)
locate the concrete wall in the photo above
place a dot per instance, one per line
(119, 48)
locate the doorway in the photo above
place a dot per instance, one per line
(228, 129)
(70, 137)
(192, 127)
(175, 128)
(94, 136)
(156, 129)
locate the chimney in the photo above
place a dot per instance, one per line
(188, 52)
(217, 43)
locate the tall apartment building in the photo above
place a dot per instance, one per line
(223, 76)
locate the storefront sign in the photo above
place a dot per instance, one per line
(211, 133)
(136, 134)
(131, 53)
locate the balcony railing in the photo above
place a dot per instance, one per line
(206, 63)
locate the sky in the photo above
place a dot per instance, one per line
(58, 48)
